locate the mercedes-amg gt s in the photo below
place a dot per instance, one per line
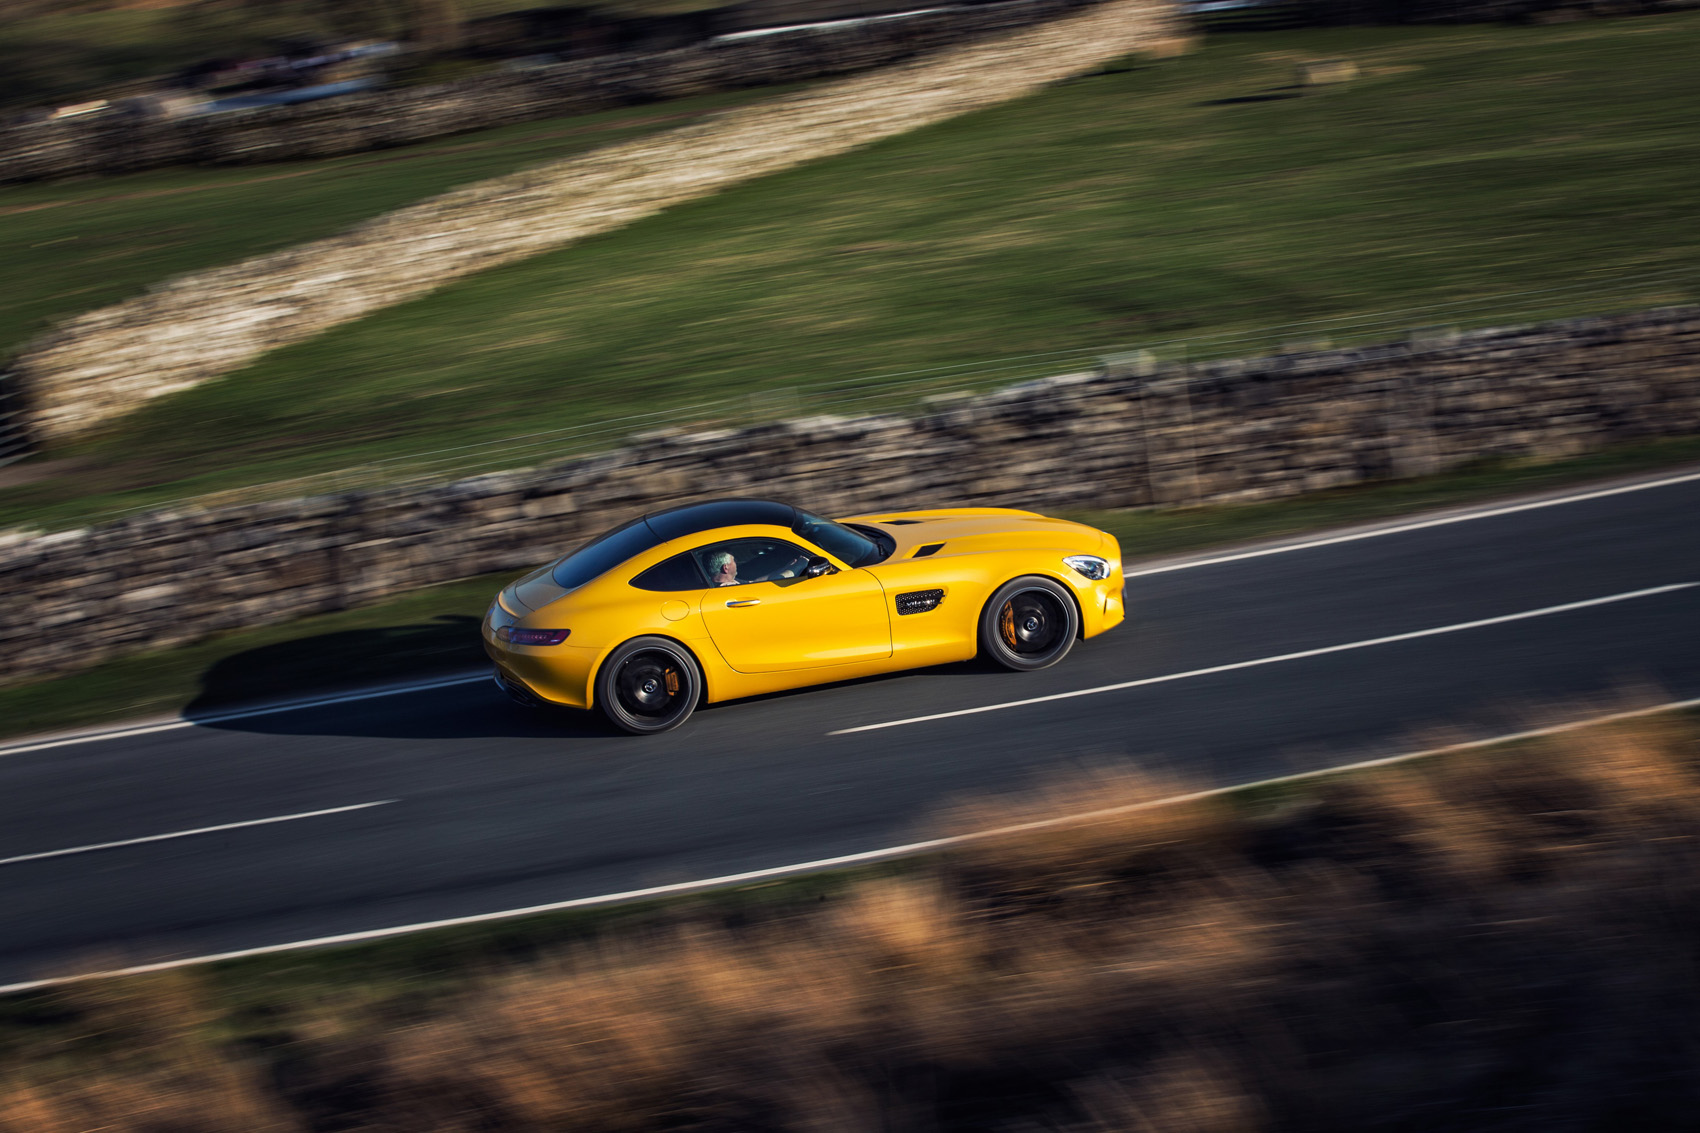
(714, 601)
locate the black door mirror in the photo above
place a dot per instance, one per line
(818, 567)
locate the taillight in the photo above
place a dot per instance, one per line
(513, 635)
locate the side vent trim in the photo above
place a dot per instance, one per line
(929, 549)
(919, 601)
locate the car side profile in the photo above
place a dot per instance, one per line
(730, 598)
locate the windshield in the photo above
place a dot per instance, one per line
(838, 540)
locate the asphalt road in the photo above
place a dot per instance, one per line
(486, 806)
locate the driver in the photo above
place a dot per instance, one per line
(723, 569)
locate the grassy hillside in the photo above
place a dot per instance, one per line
(1153, 200)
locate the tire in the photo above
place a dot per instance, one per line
(649, 685)
(1030, 623)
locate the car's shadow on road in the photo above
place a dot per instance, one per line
(327, 666)
(306, 666)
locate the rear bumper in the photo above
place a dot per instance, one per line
(538, 674)
(517, 693)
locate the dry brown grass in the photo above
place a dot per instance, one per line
(1505, 941)
(157, 1066)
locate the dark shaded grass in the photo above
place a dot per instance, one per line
(55, 52)
(1504, 941)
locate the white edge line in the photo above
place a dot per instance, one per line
(1257, 662)
(124, 732)
(866, 857)
(1417, 525)
(190, 833)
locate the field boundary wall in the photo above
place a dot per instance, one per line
(1125, 436)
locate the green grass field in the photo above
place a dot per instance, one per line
(1153, 200)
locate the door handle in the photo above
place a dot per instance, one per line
(745, 602)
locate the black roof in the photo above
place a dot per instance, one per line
(611, 548)
(688, 519)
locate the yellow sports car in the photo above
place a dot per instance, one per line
(730, 598)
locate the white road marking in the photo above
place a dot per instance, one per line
(1416, 525)
(126, 732)
(121, 733)
(190, 833)
(867, 857)
(1390, 639)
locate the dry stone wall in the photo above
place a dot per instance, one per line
(103, 364)
(1228, 431)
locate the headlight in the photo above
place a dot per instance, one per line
(1089, 565)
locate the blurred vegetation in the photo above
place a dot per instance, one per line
(1497, 940)
(1177, 199)
(54, 52)
(435, 630)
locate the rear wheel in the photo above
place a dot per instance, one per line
(649, 685)
(1029, 623)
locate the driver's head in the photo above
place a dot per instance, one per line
(722, 568)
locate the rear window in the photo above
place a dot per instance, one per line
(677, 573)
(603, 554)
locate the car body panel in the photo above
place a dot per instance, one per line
(799, 623)
(791, 632)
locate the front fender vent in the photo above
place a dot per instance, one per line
(919, 601)
(929, 549)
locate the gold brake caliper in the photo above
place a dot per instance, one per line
(672, 682)
(1006, 624)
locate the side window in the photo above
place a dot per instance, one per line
(677, 573)
(735, 562)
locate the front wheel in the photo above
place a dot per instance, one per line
(1029, 623)
(649, 685)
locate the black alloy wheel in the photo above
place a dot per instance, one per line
(649, 685)
(1029, 623)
